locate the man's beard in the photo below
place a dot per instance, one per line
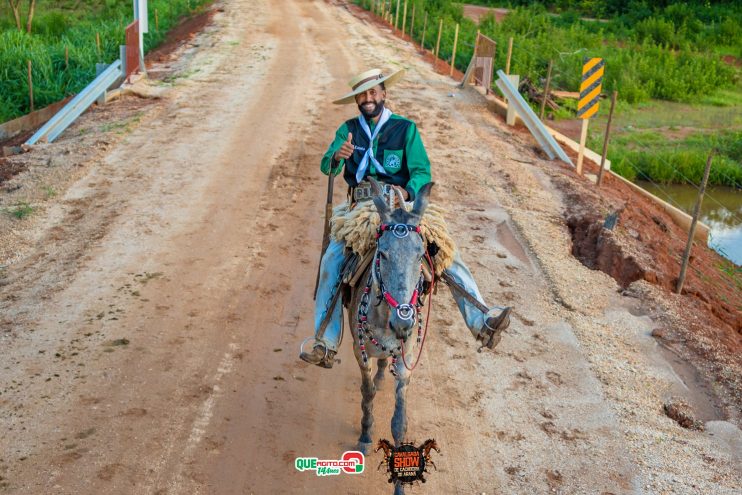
(373, 113)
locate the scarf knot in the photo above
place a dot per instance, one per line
(369, 157)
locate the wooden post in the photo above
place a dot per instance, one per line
(425, 25)
(412, 22)
(510, 54)
(396, 16)
(453, 56)
(30, 86)
(97, 43)
(583, 138)
(472, 63)
(438, 43)
(404, 18)
(546, 91)
(691, 233)
(66, 57)
(157, 21)
(607, 136)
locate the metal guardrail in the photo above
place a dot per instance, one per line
(57, 124)
(534, 124)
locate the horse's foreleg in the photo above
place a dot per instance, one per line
(399, 420)
(380, 372)
(368, 391)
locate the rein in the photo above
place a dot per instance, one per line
(404, 311)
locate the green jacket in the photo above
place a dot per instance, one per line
(398, 148)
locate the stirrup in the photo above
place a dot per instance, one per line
(492, 335)
(326, 361)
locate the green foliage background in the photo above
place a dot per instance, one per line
(72, 24)
(660, 50)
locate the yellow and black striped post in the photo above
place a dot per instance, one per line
(589, 103)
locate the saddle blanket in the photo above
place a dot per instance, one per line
(357, 228)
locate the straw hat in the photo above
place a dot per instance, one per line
(367, 80)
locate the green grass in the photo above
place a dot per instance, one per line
(669, 142)
(58, 26)
(20, 210)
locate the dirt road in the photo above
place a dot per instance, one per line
(151, 331)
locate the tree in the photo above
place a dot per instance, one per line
(31, 9)
(15, 6)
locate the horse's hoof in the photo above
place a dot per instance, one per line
(364, 447)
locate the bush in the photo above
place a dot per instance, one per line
(656, 30)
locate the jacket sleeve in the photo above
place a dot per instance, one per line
(328, 162)
(417, 162)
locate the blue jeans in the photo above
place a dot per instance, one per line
(330, 267)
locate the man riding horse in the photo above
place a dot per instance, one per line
(388, 148)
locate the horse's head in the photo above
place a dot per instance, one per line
(429, 445)
(384, 444)
(399, 254)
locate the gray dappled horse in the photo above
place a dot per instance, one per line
(384, 310)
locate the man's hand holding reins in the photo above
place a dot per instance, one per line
(346, 149)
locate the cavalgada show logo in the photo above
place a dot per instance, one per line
(351, 462)
(407, 464)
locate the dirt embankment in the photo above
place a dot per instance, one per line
(624, 235)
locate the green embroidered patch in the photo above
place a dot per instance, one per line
(392, 161)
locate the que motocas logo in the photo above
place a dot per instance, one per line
(351, 462)
(407, 463)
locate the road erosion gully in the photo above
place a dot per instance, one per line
(159, 354)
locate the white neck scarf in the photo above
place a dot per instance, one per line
(369, 155)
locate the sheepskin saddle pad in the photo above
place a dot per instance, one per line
(357, 228)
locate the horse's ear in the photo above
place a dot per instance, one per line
(381, 205)
(422, 199)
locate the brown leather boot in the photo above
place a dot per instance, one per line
(491, 334)
(319, 356)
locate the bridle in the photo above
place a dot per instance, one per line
(405, 312)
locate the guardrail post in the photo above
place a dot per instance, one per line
(512, 112)
(99, 68)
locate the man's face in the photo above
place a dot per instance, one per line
(371, 101)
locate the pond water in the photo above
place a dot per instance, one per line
(721, 211)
